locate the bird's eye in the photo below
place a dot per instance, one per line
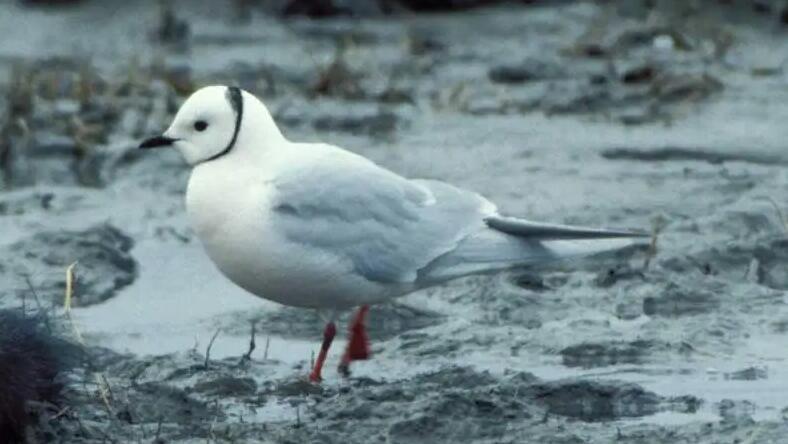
(200, 125)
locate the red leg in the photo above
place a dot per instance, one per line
(328, 337)
(358, 344)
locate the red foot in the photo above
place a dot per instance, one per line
(358, 344)
(328, 337)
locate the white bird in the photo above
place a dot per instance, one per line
(313, 225)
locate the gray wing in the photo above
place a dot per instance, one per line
(386, 226)
(394, 230)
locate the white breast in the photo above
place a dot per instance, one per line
(230, 211)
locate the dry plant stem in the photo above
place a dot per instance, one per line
(158, 429)
(62, 412)
(211, 428)
(38, 303)
(248, 355)
(754, 436)
(69, 287)
(652, 248)
(104, 390)
(208, 349)
(267, 343)
(780, 213)
(67, 302)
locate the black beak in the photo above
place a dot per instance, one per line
(157, 142)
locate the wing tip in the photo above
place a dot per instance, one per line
(546, 231)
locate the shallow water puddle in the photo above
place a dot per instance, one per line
(174, 307)
(166, 309)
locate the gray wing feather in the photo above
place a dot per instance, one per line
(394, 230)
(386, 226)
(542, 231)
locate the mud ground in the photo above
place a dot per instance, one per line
(665, 119)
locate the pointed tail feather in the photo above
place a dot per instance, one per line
(545, 232)
(509, 242)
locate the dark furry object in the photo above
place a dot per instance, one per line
(30, 362)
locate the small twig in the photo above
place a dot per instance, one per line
(85, 431)
(248, 355)
(657, 226)
(69, 287)
(298, 416)
(42, 405)
(267, 343)
(780, 213)
(104, 391)
(158, 429)
(24, 305)
(105, 381)
(312, 359)
(38, 302)
(208, 349)
(210, 429)
(144, 434)
(753, 436)
(62, 412)
(67, 302)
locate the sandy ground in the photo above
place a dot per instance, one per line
(566, 113)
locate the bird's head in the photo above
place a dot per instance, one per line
(210, 123)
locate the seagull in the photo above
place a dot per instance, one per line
(313, 225)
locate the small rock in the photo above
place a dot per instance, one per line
(609, 353)
(747, 374)
(629, 311)
(531, 281)
(611, 276)
(678, 301)
(664, 42)
(761, 6)
(224, 386)
(596, 401)
(102, 253)
(21, 204)
(638, 74)
(339, 80)
(420, 44)
(172, 29)
(465, 377)
(376, 124)
(446, 5)
(773, 263)
(675, 88)
(295, 387)
(736, 411)
(527, 71)
(332, 8)
(155, 403)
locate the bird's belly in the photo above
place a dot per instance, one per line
(283, 272)
(250, 252)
